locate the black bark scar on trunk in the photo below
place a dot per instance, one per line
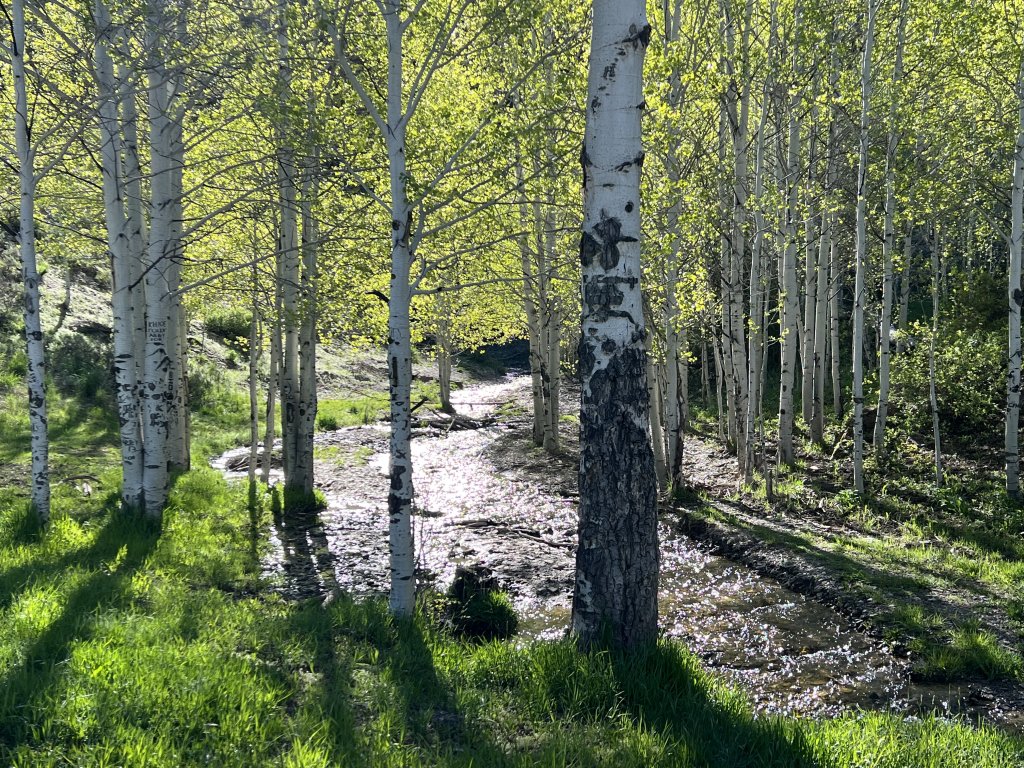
(603, 242)
(638, 37)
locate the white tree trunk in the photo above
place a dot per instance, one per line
(303, 478)
(137, 233)
(811, 244)
(403, 583)
(835, 282)
(40, 446)
(904, 315)
(719, 384)
(554, 368)
(657, 424)
(757, 287)
(254, 358)
(126, 352)
(289, 257)
(616, 591)
(738, 111)
(790, 292)
(155, 389)
(1016, 298)
(530, 279)
(821, 329)
(889, 240)
(862, 253)
(273, 387)
(179, 439)
(932, 386)
(673, 405)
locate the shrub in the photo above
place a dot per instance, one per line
(326, 423)
(231, 326)
(970, 374)
(81, 367)
(475, 608)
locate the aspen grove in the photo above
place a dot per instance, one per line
(479, 382)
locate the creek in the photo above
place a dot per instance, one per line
(486, 497)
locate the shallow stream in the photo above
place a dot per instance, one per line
(486, 497)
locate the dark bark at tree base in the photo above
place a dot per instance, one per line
(616, 596)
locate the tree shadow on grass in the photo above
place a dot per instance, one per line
(120, 548)
(431, 716)
(309, 564)
(664, 689)
(27, 531)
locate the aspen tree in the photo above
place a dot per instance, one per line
(889, 238)
(1016, 298)
(757, 291)
(288, 255)
(862, 251)
(811, 247)
(36, 378)
(616, 592)
(790, 292)
(936, 245)
(824, 288)
(737, 67)
(126, 341)
(158, 269)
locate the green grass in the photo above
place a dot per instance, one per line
(336, 413)
(342, 458)
(125, 646)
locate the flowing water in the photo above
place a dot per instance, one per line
(486, 497)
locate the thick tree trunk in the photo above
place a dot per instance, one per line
(137, 233)
(126, 354)
(36, 378)
(862, 254)
(1016, 298)
(616, 594)
(156, 390)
